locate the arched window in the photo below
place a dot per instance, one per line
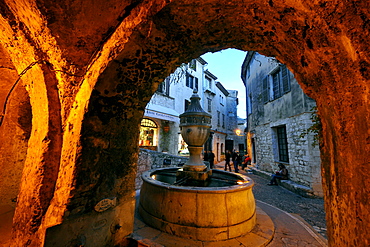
(146, 122)
(148, 133)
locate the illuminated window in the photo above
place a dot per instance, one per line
(148, 133)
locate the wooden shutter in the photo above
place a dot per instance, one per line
(167, 85)
(196, 83)
(285, 79)
(265, 90)
(276, 85)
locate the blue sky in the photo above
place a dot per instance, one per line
(226, 66)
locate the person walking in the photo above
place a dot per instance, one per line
(211, 159)
(239, 159)
(205, 156)
(247, 161)
(227, 160)
(235, 161)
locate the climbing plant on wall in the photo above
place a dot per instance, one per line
(315, 128)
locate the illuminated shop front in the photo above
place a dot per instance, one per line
(159, 129)
(182, 147)
(148, 134)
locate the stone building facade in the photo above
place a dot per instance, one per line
(278, 114)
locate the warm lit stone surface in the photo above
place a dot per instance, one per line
(199, 213)
(13, 145)
(89, 68)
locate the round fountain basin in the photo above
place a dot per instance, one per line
(225, 208)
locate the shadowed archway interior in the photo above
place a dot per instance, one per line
(96, 66)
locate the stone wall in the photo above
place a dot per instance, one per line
(168, 140)
(149, 159)
(304, 159)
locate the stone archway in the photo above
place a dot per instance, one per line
(95, 67)
(16, 104)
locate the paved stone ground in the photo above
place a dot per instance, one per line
(311, 210)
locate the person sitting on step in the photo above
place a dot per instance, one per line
(282, 174)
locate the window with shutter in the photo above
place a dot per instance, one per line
(218, 118)
(187, 80)
(209, 83)
(276, 85)
(285, 79)
(265, 90)
(191, 81)
(280, 81)
(193, 65)
(168, 82)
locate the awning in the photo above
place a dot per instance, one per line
(161, 112)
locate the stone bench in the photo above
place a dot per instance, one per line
(299, 189)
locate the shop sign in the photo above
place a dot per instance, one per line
(162, 116)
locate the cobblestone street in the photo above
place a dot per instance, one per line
(310, 209)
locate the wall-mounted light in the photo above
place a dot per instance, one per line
(238, 132)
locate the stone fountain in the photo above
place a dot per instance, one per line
(195, 202)
(195, 125)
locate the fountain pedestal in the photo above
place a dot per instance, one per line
(194, 169)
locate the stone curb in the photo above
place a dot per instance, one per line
(323, 241)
